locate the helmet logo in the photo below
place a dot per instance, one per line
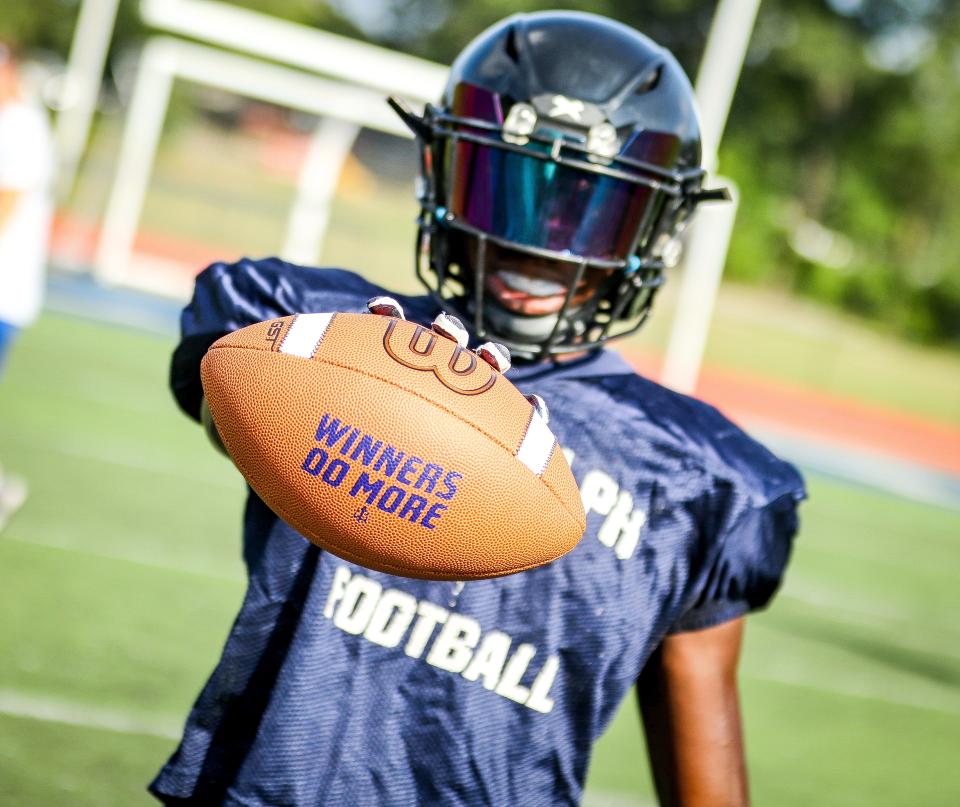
(563, 107)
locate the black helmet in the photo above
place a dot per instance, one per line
(570, 139)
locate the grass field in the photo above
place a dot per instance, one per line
(119, 580)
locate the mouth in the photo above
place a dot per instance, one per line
(527, 295)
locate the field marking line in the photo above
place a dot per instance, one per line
(58, 710)
(941, 568)
(808, 413)
(943, 644)
(77, 450)
(610, 798)
(857, 610)
(844, 609)
(148, 563)
(72, 713)
(908, 479)
(889, 694)
(810, 592)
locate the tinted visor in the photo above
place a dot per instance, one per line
(534, 202)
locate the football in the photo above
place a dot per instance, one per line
(392, 445)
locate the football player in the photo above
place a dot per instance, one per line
(556, 173)
(26, 206)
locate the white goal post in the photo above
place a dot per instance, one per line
(163, 59)
(709, 238)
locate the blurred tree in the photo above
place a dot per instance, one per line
(42, 24)
(848, 115)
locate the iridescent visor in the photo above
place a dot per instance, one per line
(534, 202)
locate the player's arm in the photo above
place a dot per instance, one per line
(228, 296)
(691, 718)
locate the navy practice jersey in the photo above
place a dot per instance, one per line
(343, 686)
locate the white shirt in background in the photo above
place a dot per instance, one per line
(27, 166)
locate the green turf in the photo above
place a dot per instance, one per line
(45, 764)
(119, 580)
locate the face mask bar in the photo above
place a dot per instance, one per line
(688, 182)
(565, 152)
(670, 185)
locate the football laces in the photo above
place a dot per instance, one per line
(496, 355)
(450, 327)
(540, 406)
(385, 307)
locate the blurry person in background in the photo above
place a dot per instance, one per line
(26, 174)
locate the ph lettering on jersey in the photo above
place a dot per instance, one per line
(446, 640)
(623, 523)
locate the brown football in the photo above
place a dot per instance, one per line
(392, 446)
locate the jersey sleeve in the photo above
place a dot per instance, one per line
(754, 541)
(228, 296)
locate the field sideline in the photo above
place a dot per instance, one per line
(119, 579)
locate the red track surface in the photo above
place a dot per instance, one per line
(748, 399)
(76, 240)
(806, 412)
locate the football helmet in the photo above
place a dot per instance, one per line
(555, 175)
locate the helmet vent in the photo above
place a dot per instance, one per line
(510, 46)
(650, 81)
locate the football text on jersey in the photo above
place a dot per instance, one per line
(447, 640)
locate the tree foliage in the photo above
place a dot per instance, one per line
(853, 121)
